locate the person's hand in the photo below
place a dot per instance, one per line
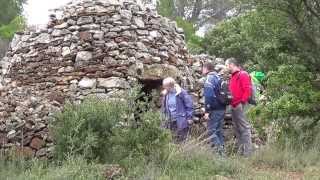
(190, 121)
(206, 116)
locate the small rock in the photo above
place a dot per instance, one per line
(83, 57)
(139, 22)
(87, 83)
(126, 14)
(37, 143)
(154, 34)
(114, 53)
(42, 152)
(43, 38)
(85, 20)
(90, 27)
(143, 32)
(85, 35)
(11, 134)
(61, 26)
(98, 35)
(113, 82)
(58, 32)
(65, 51)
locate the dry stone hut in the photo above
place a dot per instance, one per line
(96, 47)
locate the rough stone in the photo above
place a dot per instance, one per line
(66, 51)
(37, 143)
(113, 82)
(160, 71)
(126, 14)
(83, 57)
(87, 83)
(139, 22)
(41, 152)
(61, 26)
(85, 20)
(85, 35)
(43, 38)
(58, 32)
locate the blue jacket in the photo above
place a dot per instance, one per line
(184, 108)
(210, 92)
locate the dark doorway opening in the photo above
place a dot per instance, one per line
(151, 85)
(151, 89)
(150, 97)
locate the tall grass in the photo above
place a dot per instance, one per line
(191, 160)
(74, 168)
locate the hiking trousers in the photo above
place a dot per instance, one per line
(242, 129)
(215, 127)
(179, 135)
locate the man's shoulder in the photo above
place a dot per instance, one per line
(213, 76)
(241, 74)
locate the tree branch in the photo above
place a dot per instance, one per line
(310, 9)
(196, 10)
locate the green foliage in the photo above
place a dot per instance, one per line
(195, 45)
(195, 163)
(166, 8)
(193, 41)
(293, 104)
(199, 162)
(109, 131)
(255, 38)
(10, 9)
(187, 27)
(7, 31)
(184, 162)
(303, 17)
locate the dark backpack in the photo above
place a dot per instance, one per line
(223, 93)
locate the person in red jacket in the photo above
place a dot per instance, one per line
(241, 88)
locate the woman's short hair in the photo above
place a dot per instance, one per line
(169, 81)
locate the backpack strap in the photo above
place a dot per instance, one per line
(216, 79)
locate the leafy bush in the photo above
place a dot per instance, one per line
(109, 131)
(7, 31)
(293, 105)
(195, 45)
(257, 38)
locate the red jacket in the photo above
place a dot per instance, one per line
(240, 87)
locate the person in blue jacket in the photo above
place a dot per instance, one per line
(214, 109)
(177, 106)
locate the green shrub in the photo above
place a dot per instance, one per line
(109, 131)
(257, 38)
(7, 31)
(292, 105)
(86, 129)
(195, 45)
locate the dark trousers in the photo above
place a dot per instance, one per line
(179, 135)
(215, 127)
